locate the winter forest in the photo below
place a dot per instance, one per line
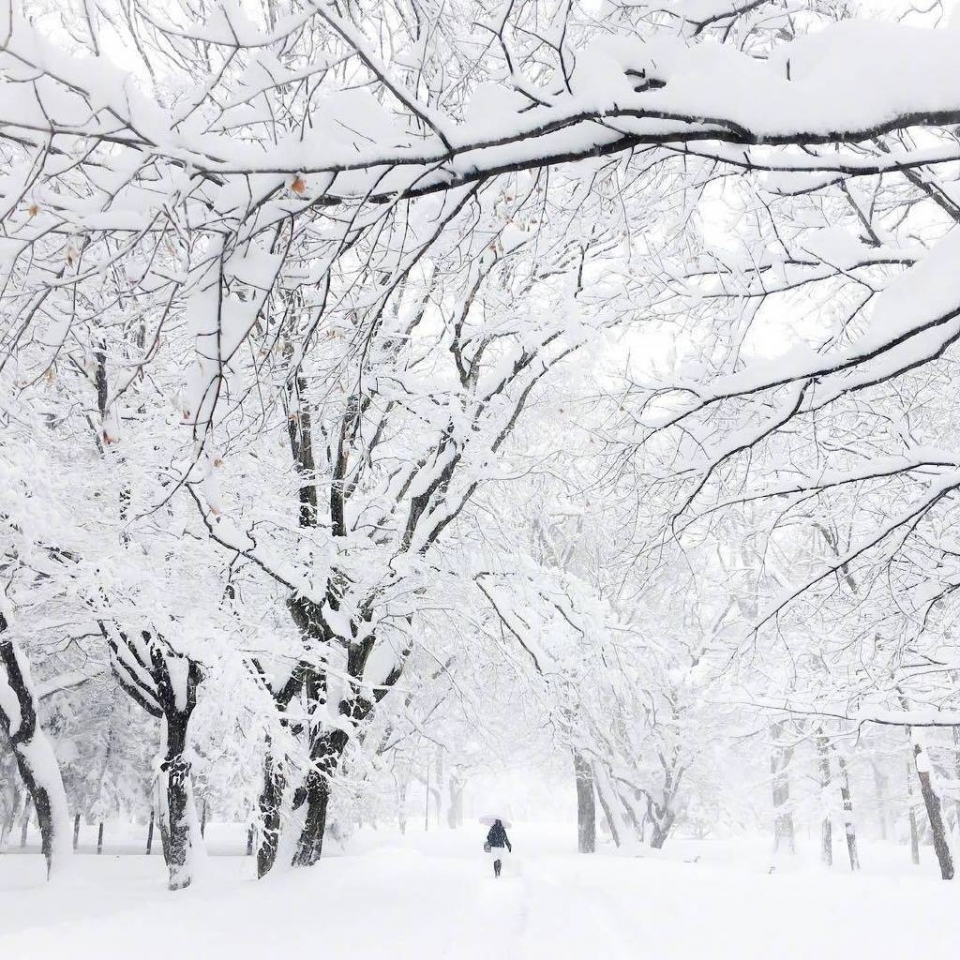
(417, 413)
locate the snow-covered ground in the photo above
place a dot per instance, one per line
(429, 897)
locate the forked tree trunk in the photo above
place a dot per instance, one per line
(826, 825)
(314, 796)
(176, 812)
(36, 760)
(661, 830)
(172, 700)
(586, 806)
(934, 811)
(610, 804)
(275, 783)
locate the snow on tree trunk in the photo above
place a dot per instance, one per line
(276, 820)
(270, 802)
(36, 760)
(455, 808)
(826, 825)
(314, 796)
(164, 682)
(880, 787)
(438, 792)
(956, 771)
(178, 820)
(586, 806)
(914, 825)
(934, 810)
(783, 831)
(613, 809)
(311, 796)
(661, 830)
(849, 827)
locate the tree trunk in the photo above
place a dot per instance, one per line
(661, 830)
(455, 809)
(177, 812)
(149, 849)
(586, 806)
(174, 799)
(956, 771)
(439, 777)
(826, 825)
(314, 795)
(165, 684)
(934, 811)
(914, 826)
(880, 786)
(36, 760)
(426, 800)
(783, 830)
(271, 798)
(609, 801)
(10, 808)
(402, 805)
(849, 827)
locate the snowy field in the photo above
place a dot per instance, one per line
(429, 897)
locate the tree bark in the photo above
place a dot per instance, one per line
(150, 826)
(849, 827)
(10, 808)
(956, 771)
(826, 825)
(439, 777)
(36, 760)
(608, 802)
(177, 813)
(783, 830)
(315, 796)
(271, 798)
(274, 787)
(586, 806)
(880, 786)
(934, 811)
(914, 826)
(661, 830)
(164, 683)
(402, 806)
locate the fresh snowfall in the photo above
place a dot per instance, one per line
(478, 479)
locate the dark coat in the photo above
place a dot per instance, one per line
(497, 837)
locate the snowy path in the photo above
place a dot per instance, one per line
(430, 898)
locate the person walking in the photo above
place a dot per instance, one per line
(497, 839)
